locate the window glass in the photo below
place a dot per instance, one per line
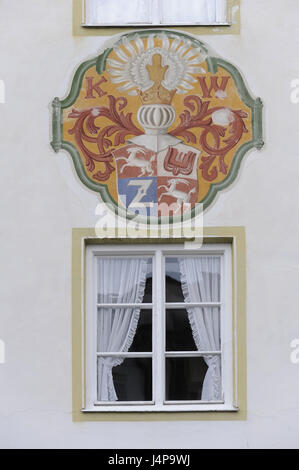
(179, 335)
(143, 338)
(173, 285)
(131, 340)
(122, 12)
(198, 11)
(118, 11)
(185, 377)
(178, 331)
(115, 287)
(148, 291)
(112, 319)
(132, 379)
(200, 274)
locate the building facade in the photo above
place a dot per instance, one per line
(221, 372)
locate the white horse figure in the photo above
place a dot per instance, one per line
(136, 161)
(181, 196)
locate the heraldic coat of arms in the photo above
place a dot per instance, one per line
(156, 121)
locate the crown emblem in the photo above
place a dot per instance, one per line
(157, 94)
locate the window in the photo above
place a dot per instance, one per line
(154, 12)
(158, 328)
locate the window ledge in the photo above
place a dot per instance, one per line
(160, 409)
(154, 25)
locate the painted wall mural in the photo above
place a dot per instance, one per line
(157, 119)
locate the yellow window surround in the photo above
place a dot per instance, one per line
(233, 235)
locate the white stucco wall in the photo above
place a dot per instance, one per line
(42, 199)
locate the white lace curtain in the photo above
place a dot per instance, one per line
(200, 278)
(120, 280)
(203, 11)
(113, 11)
(154, 11)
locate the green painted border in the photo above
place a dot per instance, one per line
(82, 237)
(213, 63)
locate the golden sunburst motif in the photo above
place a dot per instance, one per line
(179, 60)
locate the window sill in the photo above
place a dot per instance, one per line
(151, 25)
(161, 409)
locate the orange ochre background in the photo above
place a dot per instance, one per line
(232, 101)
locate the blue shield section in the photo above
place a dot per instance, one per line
(139, 195)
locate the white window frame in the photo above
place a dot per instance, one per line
(157, 252)
(156, 17)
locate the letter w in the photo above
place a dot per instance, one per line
(206, 91)
(181, 459)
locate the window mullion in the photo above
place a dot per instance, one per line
(158, 342)
(115, 306)
(95, 327)
(156, 11)
(226, 329)
(222, 329)
(163, 328)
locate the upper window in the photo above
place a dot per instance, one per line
(154, 12)
(158, 329)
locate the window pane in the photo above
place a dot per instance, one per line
(193, 279)
(206, 328)
(117, 325)
(147, 297)
(117, 11)
(143, 338)
(185, 377)
(198, 11)
(124, 280)
(174, 291)
(132, 379)
(178, 331)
